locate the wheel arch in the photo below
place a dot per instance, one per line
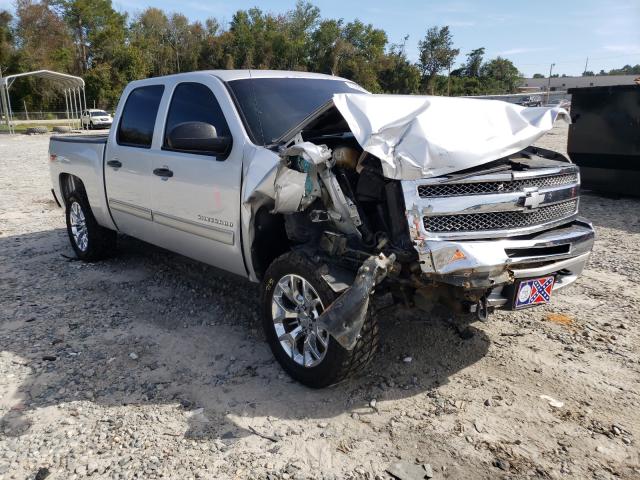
(70, 183)
(270, 240)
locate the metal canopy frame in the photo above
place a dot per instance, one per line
(72, 87)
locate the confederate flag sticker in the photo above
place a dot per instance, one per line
(536, 291)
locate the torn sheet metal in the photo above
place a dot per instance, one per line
(344, 318)
(259, 167)
(290, 190)
(296, 184)
(426, 136)
(309, 151)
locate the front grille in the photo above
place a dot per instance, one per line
(500, 220)
(508, 186)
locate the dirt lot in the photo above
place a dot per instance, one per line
(149, 365)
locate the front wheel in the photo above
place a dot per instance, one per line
(89, 240)
(294, 295)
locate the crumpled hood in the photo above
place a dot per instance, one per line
(427, 136)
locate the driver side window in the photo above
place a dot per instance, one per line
(195, 102)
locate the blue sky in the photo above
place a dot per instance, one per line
(531, 34)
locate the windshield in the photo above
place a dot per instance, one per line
(272, 106)
(99, 113)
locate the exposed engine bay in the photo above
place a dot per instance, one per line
(340, 209)
(338, 200)
(416, 221)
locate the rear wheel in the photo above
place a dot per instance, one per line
(89, 240)
(294, 295)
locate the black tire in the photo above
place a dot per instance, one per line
(100, 241)
(36, 130)
(338, 363)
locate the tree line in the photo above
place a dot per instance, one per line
(108, 49)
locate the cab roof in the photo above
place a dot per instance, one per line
(229, 75)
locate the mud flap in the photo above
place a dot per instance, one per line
(344, 318)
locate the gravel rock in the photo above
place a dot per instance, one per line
(501, 464)
(95, 410)
(407, 471)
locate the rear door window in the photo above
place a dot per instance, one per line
(195, 102)
(139, 116)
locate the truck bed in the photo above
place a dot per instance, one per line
(82, 156)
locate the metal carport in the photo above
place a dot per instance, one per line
(71, 86)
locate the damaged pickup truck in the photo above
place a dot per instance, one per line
(332, 198)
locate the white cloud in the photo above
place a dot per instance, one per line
(519, 50)
(208, 7)
(455, 7)
(631, 49)
(459, 23)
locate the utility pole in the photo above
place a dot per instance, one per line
(586, 64)
(1, 95)
(4, 108)
(549, 82)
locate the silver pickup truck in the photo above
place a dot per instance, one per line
(335, 199)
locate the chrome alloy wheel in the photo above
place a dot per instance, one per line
(295, 308)
(78, 226)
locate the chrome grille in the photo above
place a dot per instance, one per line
(500, 220)
(454, 189)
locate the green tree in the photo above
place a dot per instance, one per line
(98, 30)
(300, 24)
(148, 35)
(327, 47)
(7, 49)
(89, 38)
(474, 62)
(502, 75)
(436, 54)
(364, 47)
(185, 41)
(42, 37)
(397, 74)
(626, 70)
(538, 75)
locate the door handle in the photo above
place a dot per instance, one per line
(114, 163)
(163, 172)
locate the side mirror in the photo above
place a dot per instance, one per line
(198, 137)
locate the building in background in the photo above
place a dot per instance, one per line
(530, 85)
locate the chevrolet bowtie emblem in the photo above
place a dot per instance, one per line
(533, 199)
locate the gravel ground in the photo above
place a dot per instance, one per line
(149, 365)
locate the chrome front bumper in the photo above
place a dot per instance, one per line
(493, 264)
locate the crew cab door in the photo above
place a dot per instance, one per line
(196, 196)
(129, 159)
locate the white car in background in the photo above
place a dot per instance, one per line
(94, 118)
